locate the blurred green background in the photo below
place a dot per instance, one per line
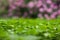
(27, 29)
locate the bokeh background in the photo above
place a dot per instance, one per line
(30, 8)
(29, 19)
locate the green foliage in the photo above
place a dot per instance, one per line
(29, 29)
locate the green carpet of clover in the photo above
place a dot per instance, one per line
(29, 29)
